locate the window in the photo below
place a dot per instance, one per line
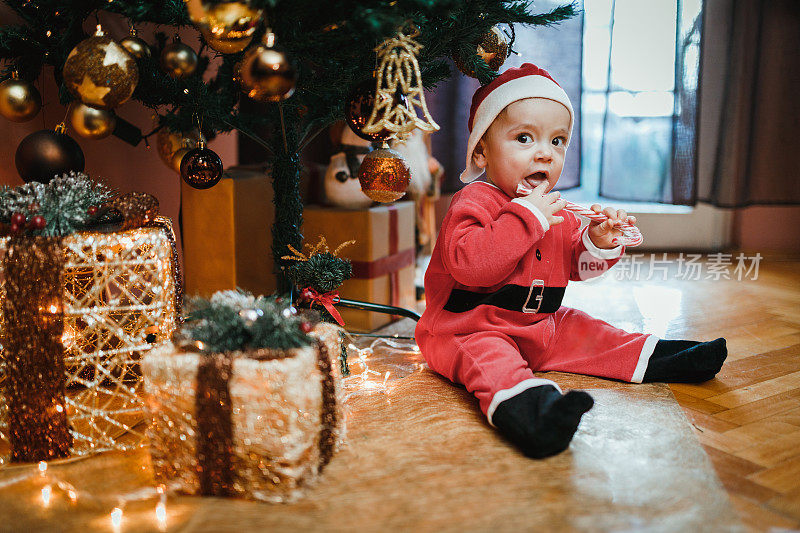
(639, 85)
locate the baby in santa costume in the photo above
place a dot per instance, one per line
(500, 266)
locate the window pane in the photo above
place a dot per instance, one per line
(643, 45)
(636, 157)
(646, 104)
(593, 108)
(597, 44)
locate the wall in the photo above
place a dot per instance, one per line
(768, 229)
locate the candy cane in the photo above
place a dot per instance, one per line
(631, 236)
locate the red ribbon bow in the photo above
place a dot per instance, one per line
(326, 300)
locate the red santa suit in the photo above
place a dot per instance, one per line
(494, 287)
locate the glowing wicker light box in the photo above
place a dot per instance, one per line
(119, 301)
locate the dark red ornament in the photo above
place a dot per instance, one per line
(306, 327)
(45, 154)
(92, 210)
(15, 228)
(18, 219)
(306, 295)
(358, 108)
(201, 168)
(38, 222)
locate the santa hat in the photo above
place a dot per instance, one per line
(527, 81)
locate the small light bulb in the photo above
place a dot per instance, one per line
(161, 515)
(116, 518)
(47, 491)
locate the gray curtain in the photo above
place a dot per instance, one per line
(557, 49)
(750, 108)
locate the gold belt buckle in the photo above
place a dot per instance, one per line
(538, 299)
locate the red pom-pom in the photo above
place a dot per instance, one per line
(92, 210)
(18, 219)
(306, 327)
(38, 222)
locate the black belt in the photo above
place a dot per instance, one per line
(511, 297)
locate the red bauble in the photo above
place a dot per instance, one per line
(384, 175)
(306, 327)
(18, 219)
(15, 228)
(38, 222)
(92, 210)
(306, 295)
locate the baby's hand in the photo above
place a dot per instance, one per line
(603, 233)
(549, 203)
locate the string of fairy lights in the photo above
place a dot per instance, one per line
(364, 379)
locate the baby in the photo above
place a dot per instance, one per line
(500, 266)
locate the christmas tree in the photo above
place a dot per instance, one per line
(301, 58)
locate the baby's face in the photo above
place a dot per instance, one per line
(526, 144)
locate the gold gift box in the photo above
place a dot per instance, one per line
(382, 256)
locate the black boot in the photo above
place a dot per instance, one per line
(685, 361)
(540, 421)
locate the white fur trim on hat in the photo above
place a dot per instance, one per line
(533, 86)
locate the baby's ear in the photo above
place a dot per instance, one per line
(479, 155)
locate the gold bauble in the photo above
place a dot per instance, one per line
(225, 46)
(267, 75)
(135, 46)
(177, 157)
(492, 48)
(19, 100)
(384, 175)
(91, 122)
(169, 142)
(100, 72)
(178, 60)
(227, 26)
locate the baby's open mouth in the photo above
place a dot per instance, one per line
(536, 178)
(530, 182)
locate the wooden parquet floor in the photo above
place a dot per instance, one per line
(748, 417)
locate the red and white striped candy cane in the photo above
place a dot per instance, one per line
(631, 236)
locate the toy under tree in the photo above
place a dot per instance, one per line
(300, 58)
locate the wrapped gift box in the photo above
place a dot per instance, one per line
(259, 424)
(382, 256)
(227, 233)
(113, 299)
